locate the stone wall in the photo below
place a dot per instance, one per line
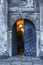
(3, 28)
(23, 9)
(15, 11)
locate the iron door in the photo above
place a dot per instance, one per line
(29, 39)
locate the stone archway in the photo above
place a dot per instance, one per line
(24, 38)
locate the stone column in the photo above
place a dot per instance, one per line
(3, 28)
(10, 42)
(41, 27)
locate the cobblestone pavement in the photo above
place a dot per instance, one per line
(21, 61)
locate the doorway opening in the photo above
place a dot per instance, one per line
(23, 38)
(20, 37)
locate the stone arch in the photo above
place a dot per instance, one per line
(22, 16)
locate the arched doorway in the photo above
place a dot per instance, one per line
(24, 38)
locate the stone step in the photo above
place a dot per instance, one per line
(17, 60)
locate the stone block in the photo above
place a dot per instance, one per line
(26, 63)
(16, 63)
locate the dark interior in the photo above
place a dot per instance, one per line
(20, 44)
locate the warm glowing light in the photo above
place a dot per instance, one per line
(20, 26)
(22, 29)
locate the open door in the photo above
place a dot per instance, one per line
(29, 39)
